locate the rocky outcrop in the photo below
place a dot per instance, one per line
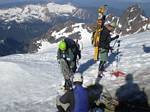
(132, 21)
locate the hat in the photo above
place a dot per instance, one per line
(62, 45)
(78, 77)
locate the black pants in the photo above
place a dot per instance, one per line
(101, 65)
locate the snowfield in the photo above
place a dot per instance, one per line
(31, 82)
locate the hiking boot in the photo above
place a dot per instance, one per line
(68, 85)
(100, 74)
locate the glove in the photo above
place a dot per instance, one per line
(68, 84)
(58, 61)
(117, 36)
(71, 66)
(79, 56)
(111, 49)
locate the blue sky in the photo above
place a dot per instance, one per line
(1, 1)
(132, 0)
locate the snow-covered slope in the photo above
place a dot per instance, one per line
(31, 82)
(30, 12)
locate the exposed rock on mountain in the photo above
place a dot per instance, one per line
(132, 21)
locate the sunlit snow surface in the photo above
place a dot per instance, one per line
(30, 82)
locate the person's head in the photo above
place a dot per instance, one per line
(111, 26)
(62, 45)
(78, 78)
(99, 22)
(129, 78)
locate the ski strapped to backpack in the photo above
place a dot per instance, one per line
(96, 33)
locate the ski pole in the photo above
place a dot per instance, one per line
(115, 43)
(118, 54)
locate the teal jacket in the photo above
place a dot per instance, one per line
(67, 55)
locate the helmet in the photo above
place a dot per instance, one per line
(62, 45)
(113, 24)
(78, 77)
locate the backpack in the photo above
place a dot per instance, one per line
(75, 48)
(94, 93)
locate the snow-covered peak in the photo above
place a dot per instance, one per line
(57, 8)
(40, 12)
